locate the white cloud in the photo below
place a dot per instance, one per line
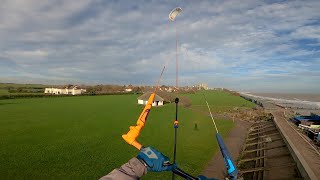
(27, 54)
(221, 42)
(307, 32)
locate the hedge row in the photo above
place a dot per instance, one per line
(18, 96)
(253, 100)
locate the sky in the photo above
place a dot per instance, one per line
(247, 45)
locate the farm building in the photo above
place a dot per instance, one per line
(72, 90)
(143, 99)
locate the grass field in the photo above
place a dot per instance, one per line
(80, 137)
(3, 92)
(28, 89)
(219, 101)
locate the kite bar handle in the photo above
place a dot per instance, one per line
(131, 137)
(183, 174)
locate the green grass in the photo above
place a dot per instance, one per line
(219, 101)
(11, 88)
(80, 137)
(3, 92)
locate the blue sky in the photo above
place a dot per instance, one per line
(266, 46)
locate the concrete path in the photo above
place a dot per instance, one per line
(308, 156)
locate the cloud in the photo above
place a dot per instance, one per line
(307, 32)
(27, 54)
(248, 44)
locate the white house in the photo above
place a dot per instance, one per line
(73, 90)
(128, 90)
(143, 99)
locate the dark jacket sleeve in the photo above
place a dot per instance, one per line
(132, 170)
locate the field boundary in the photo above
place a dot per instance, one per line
(20, 96)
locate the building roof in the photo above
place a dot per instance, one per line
(146, 96)
(66, 87)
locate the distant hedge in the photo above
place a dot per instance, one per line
(253, 100)
(18, 96)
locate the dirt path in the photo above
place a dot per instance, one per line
(234, 142)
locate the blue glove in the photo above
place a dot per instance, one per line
(155, 160)
(205, 178)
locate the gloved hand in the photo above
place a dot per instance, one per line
(155, 160)
(205, 178)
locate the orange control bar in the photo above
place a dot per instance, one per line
(134, 132)
(132, 135)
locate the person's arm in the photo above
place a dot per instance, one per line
(132, 170)
(148, 159)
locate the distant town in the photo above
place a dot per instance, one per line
(70, 89)
(102, 89)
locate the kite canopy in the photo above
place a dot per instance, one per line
(174, 13)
